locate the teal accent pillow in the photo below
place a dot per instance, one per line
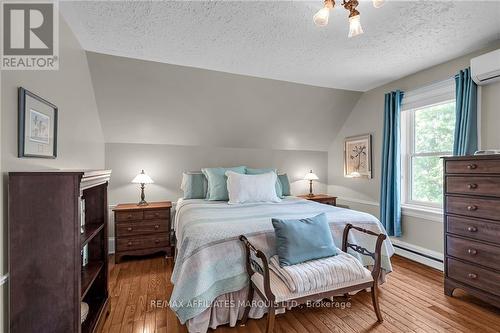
(194, 185)
(217, 182)
(279, 190)
(285, 184)
(301, 240)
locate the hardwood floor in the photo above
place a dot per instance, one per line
(412, 300)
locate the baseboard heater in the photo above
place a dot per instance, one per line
(418, 253)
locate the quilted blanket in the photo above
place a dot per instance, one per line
(211, 260)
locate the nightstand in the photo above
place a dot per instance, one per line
(321, 198)
(142, 230)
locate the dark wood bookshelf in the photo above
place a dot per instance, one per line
(94, 315)
(89, 274)
(89, 232)
(46, 244)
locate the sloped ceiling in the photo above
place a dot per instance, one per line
(155, 103)
(277, 39)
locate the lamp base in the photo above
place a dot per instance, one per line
(143, 197)
(310, 195)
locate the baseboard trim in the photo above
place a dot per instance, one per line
(4, 278)
(419, 254)
(111, 245)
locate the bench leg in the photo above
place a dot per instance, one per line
(376, 306)
(247, 305)
(270, 318)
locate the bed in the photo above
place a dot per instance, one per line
(209, 276)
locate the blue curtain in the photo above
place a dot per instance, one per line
(390, 193)
(465, 139)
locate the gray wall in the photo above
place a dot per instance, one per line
(367, 117)
(165, 164)
(168, 119)
(80, 139)
(155, 103)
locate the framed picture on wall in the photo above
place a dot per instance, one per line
(37, 126)
(358, 156)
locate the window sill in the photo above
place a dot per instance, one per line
(426, 213)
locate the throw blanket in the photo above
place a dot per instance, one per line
(314, 274)
(211, 259)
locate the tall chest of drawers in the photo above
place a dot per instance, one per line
(141, 230)
(472, 226)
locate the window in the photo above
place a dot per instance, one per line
(427, 127)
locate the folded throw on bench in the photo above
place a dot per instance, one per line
(320, 273)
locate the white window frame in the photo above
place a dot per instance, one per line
(413, 101)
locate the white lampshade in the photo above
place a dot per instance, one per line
(321, 17)
(355, 26)
(378, 3)
(311, 176)
(142, 178)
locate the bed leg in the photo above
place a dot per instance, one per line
(271, 313)
(248, 305)
(376, 306)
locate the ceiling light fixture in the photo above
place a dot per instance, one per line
(321, 17)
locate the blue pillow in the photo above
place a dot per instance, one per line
(217, 182)
(303, 239)
(279, 190)
(194, 185)
(285, 184)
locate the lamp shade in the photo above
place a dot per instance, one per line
(321, 17)
(355, 26)
(378, 3)
(142, 178)
(311, 176)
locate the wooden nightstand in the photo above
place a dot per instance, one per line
(141, 230)
(321, 198)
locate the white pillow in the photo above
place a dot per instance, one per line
(251, 188)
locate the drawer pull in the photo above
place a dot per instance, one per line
(129, 216)
(471, 166)
(472, 229)
(129, 243)
(157, 214)
(157, 226)
(130, 229)
(471, 208)
(157, 241)
(472, 252)
(472, 276)
(471, 186)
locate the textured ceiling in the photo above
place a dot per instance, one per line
(278, 40)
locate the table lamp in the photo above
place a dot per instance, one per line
(310, 177)
(142, 179)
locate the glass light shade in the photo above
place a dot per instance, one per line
(355, 26)
(142, 178)
(378, 3)
(321, 17)
(311, 176)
